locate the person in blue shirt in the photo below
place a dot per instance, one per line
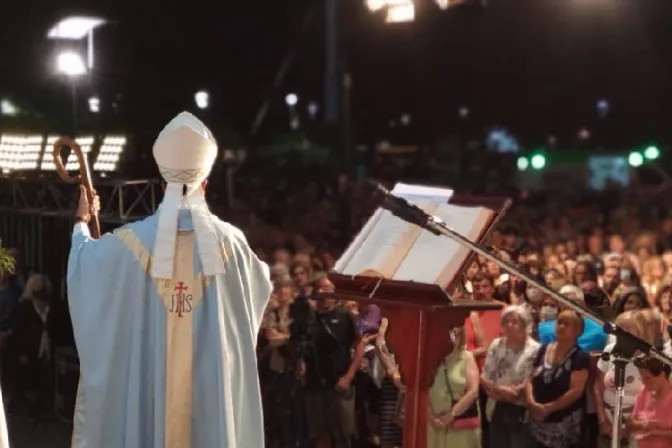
(593, 338)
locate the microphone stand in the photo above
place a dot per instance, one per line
(626, 343)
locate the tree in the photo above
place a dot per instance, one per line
(7, 261)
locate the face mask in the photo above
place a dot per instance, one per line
(548, 313)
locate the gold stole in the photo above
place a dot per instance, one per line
(180, 296)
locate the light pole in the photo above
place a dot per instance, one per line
(202, 99)
(76, 28)
(72, 65)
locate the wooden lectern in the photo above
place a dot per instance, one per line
(420, 319)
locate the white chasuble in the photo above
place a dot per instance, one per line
(166, 363)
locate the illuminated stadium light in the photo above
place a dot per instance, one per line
(72, 164)
(20, 152)
(85, 143)
(652, 152)
(523, 163)
(635, 159)
(8, 108)
(375, 5)
(74, 28)
(47, 162)
(110, 153)
(71, 64)
(400, 11)
(202, 99)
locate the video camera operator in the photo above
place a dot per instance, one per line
(331, 351)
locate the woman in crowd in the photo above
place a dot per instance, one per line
(32, 338)
(630, 299)
(651, 419)
(453, 400)
(555, 391)
(662, 303)
(653, 272)
(301, 276)
(391, 433)
(604, 387)
(279, 379)
(507, 366)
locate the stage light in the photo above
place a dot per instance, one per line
(20, 152)
(74, 28)
(635, 159)
(405, 119)
(291, 99)
(400, 13)
(603, 108)
(375, 5)
(110, 153)
(47, 161)
(202, 99)
(85, 143)
(8, 108)
(523, 163)
(652, 152)
(464, 112)
(94, 105)
(313, 107)
(71, 64)
(538, 161)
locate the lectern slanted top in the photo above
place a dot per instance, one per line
(405, 270)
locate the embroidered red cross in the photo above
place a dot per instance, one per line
(180, 288)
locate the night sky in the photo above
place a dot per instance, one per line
(535, 66)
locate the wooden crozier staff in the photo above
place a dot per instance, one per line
(84, 177)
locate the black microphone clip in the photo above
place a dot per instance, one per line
(400, 207)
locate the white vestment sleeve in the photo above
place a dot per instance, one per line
(260, 289)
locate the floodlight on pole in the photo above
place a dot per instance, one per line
(538, 161)
(523, 163)
(375, 5)
(635, 159)
(291, 99)
(202, 99)
(400, 11)
(8, 108)
(652, 152)
(77, 28)
(71, 64)
(94, 104)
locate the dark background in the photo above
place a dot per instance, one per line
(535, 66)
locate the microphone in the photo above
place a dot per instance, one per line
(401, 208)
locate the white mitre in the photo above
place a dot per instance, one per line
(185, 152)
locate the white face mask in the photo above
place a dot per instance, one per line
(548, 313)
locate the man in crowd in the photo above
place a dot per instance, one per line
(330, 367)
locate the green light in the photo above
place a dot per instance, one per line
(652, 152)
(523, 163)
(538, 161)
(635, 159)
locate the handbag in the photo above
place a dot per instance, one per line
(470, 418)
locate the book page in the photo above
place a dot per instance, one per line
(385, 240)
(356, 244)
(428, 259)
(386, 245)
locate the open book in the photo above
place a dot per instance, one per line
(393, 249)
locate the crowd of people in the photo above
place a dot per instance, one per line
(33, 326)
(528, 375)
